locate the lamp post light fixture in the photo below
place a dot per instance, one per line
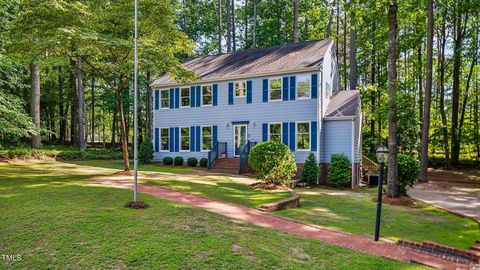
(382, 156)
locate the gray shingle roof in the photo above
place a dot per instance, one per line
(276, 59)
(343, 103)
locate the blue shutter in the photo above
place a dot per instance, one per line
(313, 136)
(292, 136)
(177, 98)
(172, 98)
(293, 85)
(172, 140)
(265, 90)
(265, 132)
(157, 146)
(285, 133)
(192, 96)
(198, 97)
(230, 93)
(285, 88)
(215, 95)
(177, 143)
(192, 139)
(197, 137)
(157, 99)
(214, 135)
(249, 91)
(314, 86)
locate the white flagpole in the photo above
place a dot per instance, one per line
(135, 120)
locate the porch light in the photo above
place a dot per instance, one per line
(382, 154)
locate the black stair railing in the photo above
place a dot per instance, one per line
(219, 149)
(244, 155)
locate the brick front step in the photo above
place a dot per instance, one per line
(224, 171)
(226, 165)
(445, 252)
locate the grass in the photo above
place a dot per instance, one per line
(118, 165)
(59, 152)
(354, 212)
(55, 219)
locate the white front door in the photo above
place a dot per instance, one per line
(239, 138)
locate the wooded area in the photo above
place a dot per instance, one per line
(69, 64)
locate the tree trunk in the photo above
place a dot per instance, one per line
(420, 85)
(428, 94)
(114, 129)
(345, 51)
(392, 94)
(476, 131)
(372, 106)
(443, 40)
(229, 31)
(123, 131)
(254, 37)
(337, 2)
(234, 34)
(81, 103)
(35, 103)
(63, 119)
(149, 116)
(295, 21)
(330, 19)
(219, 3)
(353, 56)
(246, 24)
(457, 63)
(93, 109)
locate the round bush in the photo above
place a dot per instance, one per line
(192, 161)
(408, 169)
(178, 161)
(145, 153)
(272, 162)
(311, 171)
(204, 162)
(339, 170)
(167, 160)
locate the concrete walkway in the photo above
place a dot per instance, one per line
(359, 243)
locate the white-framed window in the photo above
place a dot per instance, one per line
(303, 136)
(275, 132)
(206, 138)
(275, 91)
(185, 139)
(165, 99)
(303, 86)
(240, 89)
(164, 139)
(206, 95)
(185, 97)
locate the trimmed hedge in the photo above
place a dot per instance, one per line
(145, 153)
(408, 169)
(273, 162)
(204, 162)
(178, 161)
(339, 170)
(311, 171)
(192, 161)
(167, 161)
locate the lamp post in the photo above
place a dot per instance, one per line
(135, 114)
(382, 155)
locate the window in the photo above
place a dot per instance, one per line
(185, 97)
(185, 138)
(303, 136)
(206, 95)
(240, 89)
(206, 138)
(276, 89)
(303, 87)
(165, 98)
(164, 139)
(275, 132)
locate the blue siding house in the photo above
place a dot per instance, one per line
(289, 93)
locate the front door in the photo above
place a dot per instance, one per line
(239, 138)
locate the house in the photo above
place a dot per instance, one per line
(290, 93)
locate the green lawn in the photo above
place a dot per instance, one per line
(354, 212)
(55, 219)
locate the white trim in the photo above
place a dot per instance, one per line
(160, 96)
(233, 134)
(281, 89)
(201, 95)
(245, 89)
(243, 76)
(338, 118)
(309, 76)
(309, 135)
(160, 139)
(201, 137)
(189, 97)
(281, 130)
(180, 139)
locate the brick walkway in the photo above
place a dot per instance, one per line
(262, 219)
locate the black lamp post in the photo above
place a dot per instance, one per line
(382, 156)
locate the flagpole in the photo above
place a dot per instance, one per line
(135, 120)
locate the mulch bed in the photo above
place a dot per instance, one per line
(136, 205)
(400, 201)
(269, 186)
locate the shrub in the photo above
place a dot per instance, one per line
(204, 162)
(167, 160)
(311, 171)
(145, 153)
(273, 162)
(339, 170)
(192, 161)
(408, 169)
(178, 161)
